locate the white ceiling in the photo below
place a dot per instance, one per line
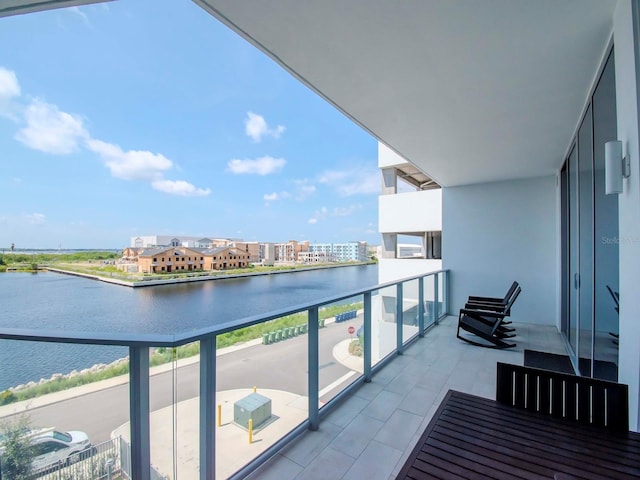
(468, 90)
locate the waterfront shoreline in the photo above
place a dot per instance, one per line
(200, 278)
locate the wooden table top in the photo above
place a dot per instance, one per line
(471, 437)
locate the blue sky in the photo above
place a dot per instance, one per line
(139, 118)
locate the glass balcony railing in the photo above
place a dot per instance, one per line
(209, 403)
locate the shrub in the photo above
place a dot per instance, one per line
(7, 397)
(17, 452)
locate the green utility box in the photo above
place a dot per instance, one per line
(255, 407)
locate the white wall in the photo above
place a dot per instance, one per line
(495, 233)
(629, 210)
(397, 213)
(391, 269)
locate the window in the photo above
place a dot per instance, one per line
(62, 436)
(155, 259)
(47, 447)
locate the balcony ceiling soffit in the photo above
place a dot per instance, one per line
(467, 91)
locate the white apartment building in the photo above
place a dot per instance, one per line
(316, 257)
(151, 241)
(342, 252)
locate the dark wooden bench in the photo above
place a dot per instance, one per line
(585, 400)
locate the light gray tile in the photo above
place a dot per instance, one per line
(330, 464)
(376, 463)
(401, 384)
(278, 468)
(355, 437)
(398, 430)
(350, 408)
(418, 401)
(369, 391)
(311, 444)
(383, 405)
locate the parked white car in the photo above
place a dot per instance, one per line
(55, 448)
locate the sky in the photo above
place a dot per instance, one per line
(151, 117)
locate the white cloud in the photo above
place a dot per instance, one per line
(363, 181)
(80, 13)
(256, 127)
(180, 187)
(259, 166)
(50, 130)
(35, 218)
(271, 197)
(304, 189)
(9, 86)
(132, 164)
(318, 215)
(345, 211)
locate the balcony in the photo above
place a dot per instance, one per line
(333, 414)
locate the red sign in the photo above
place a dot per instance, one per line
(352, 330)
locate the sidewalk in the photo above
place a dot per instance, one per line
(232, 441)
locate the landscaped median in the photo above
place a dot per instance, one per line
(160, 356)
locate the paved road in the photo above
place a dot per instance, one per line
(281, 366)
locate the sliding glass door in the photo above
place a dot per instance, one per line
(589, 247)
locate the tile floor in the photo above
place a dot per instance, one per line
(371, 434)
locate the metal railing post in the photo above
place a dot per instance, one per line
(208, 408)
(399, 318)
(421, 307)
(436, 300)
(367, 337)
(445, 292)
(314, 374)
(139, 412)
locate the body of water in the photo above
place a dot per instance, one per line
(57, 302)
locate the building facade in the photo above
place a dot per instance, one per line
(182, 259)
(342, 252)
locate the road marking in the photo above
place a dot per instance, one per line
(333, 385)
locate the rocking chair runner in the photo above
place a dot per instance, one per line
(485, 325)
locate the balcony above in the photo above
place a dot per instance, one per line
(396, 213)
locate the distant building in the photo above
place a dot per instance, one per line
(316, 257)
(343, 252)
(182, 259)
(288, 252)
(150, 241)
(267, 253)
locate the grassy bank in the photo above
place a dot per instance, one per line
(163, 355)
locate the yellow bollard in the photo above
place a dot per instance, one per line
(219, 415)
(250, 431)
(254, 389)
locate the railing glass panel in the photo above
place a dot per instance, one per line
(441, 280)
(263, 381)
(87, 394)
(383, 323)
(341, 346)
(429, 300)
(410, 302)
(173, 401)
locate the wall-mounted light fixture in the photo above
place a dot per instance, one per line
(616, 167)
